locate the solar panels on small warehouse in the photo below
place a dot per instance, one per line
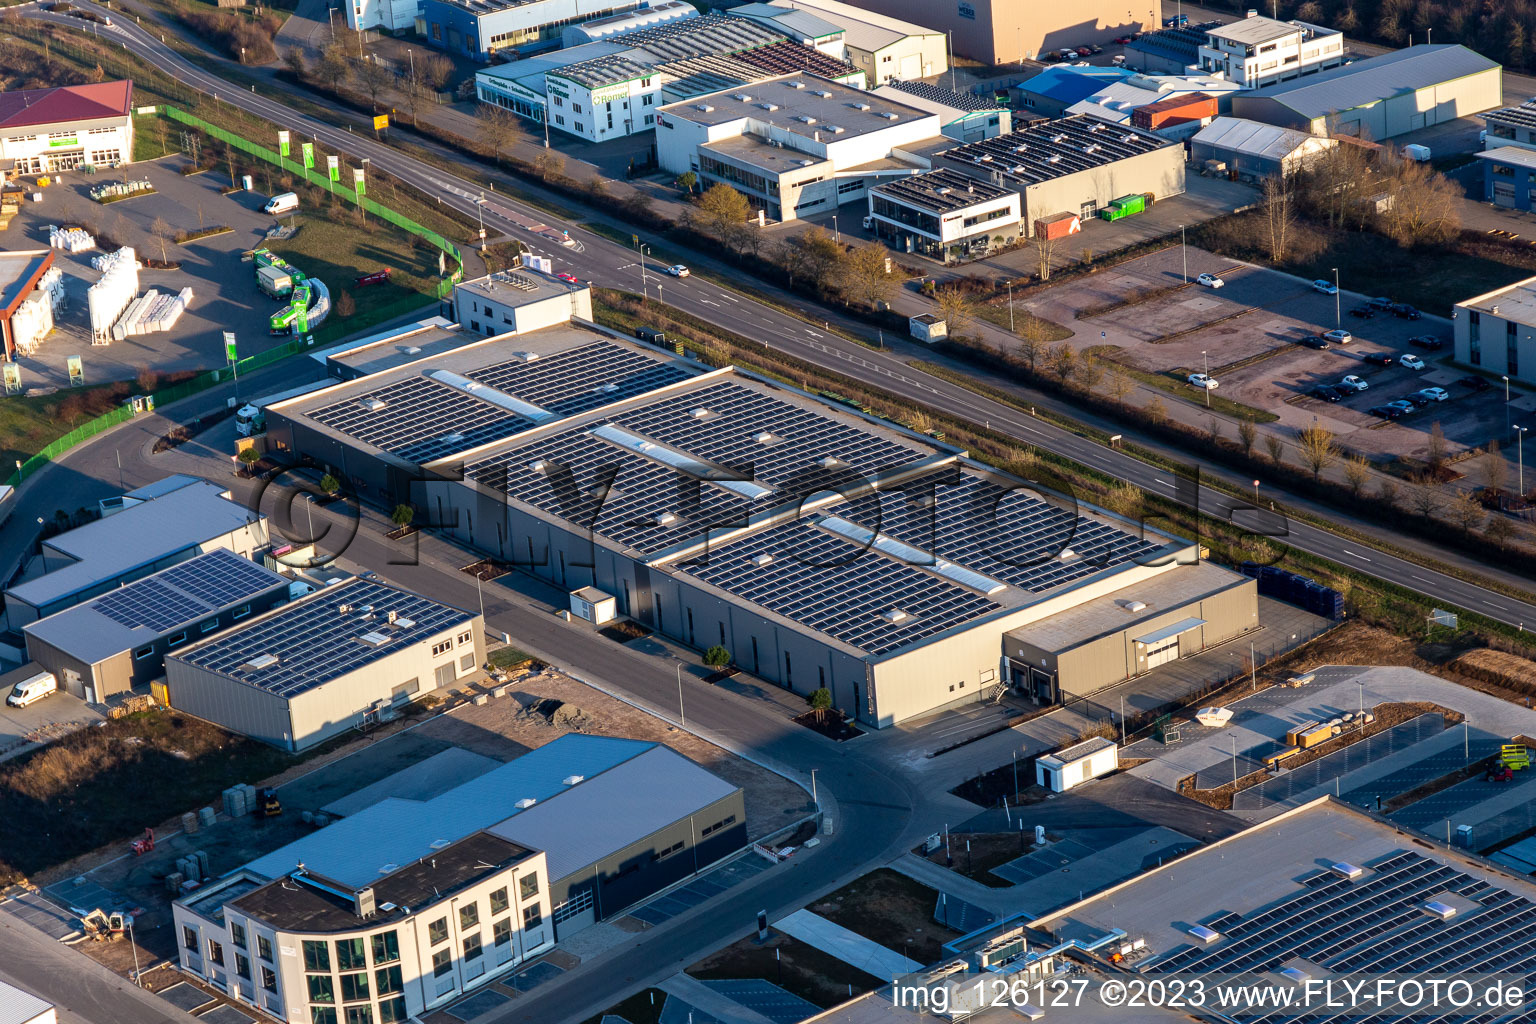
(420, 419)
(579, 379)
(185, 592)
(312, 641)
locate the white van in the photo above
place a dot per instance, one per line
(283, 202)
(32, 688)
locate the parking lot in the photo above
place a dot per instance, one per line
(1249, 333)
(46, 719)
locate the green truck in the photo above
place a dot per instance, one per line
(1125, 206)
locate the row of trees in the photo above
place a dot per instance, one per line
(1504, 31)
(417, 83)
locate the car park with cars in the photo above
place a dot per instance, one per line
(1434, 394)
(1202, 380)
(1354, 383)
(1326, 287)
(1403, 311)
(1339, 335)
(1380, 358)
(1475, 382)
(1380, 302)
(1410, 362)
(1363, 312)
(1427, 341)
(1403, 406)
(1327, 392)
(1386, 412)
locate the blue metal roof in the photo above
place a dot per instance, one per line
(357, 850)
(1069, 85)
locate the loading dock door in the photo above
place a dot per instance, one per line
(909, 66)
(1162, 652)
(1162, 646)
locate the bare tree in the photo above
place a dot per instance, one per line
(436, 70)
(1499, 530)
(1465, 511)
(1424, 205)
(1121, 383)
(1357, 473)
(1276, 448)
(1436, 452)
(335, 64)
(1090, 372)
(958, 310)
(1424, 497)
(1045, 249)
(549, 164)
(163, 233)
(824, 259)
(722, 211)
(1063, 361)
(1279, 216)
(1495, 468)
(497, 127)
(374, 76)
(1319, 450)
(1156, 410)
(1213, 429)
(294, 59)
(866, 274)
(1247, 434)
(1032, 340)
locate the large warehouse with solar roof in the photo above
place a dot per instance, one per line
(820, 547)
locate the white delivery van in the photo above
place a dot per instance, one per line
(1419, 154)
(283, 202)
(33, 688)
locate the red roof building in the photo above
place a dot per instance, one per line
(61, 129)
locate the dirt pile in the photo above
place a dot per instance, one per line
(557, 713)
(1507, 670)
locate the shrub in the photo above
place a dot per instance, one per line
(717, 657)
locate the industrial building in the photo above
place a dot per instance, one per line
(612, 87)
(1511, 126)
(67, 127)
(1509, 176)
(943, 214)
(1253, 151)
(1168, 51)
(1173, 106)
(793, 145)
(1007, 31)
(799, 25)
(18, 1006)
(519, 301)
(644, 16)
(481, 28)
(1073, 165)
(843, 552)
(964, 117)
(151, 528)
(21, 325)
(1053, 90)
(885, 48)
(1255, 51)
(1318, 891)
(119, 640)
(1381, 97)
(430, 898)
(329, 662)
(1496, 331)
(1077, 764)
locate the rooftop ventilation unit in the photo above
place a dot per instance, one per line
(805, 119)
(805, 163)
(829, 461)
(860, 106)
(1017, 169)
(665, 518)
(1058, 138)
(769, 106)
(741, 97)
(1020, 148)
(538, 465)
(835, 129)
(1055, 158)
(404, 623)
(384, 870)
(795, 85)
(1127, 137)
(412, 350)
(260, 662)
(1133, 606)
(894, 615)
(604, 388)
(764, 437)
(1066, 555)
(453, 438)
(762, 560)
(705, 107)
(825, 94)
(700, 413)
(571, 780)
(372, 404)
(390, 616)
(1444, 911)
(525, 803)
(438, 844)
(1092, 147)
(525, 357)
(374, 638)
(890, 115)
(1205, 936)
(1346, 870)
(343, 609)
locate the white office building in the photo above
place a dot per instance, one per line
(1259, 51)
(943, 214)
(64, 128)
(793, 145)
(389, 15)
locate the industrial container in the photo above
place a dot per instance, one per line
(1308, 734)
(1058, 225)
(1125, 206)
(274, 281)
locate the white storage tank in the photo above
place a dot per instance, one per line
(1077, 764)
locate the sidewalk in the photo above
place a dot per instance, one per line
(848, 946)
(700, 996)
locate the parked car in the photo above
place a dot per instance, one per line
(1411, 362)
(1339, 335)
(1381, 358)
(1403, 407)
(1326, 392)
(1427, 341)
(678, 270)
(1354, 383)
(1083, 51)
(1380, 302)
(1122, 40)
(1326, 287)
(1403, 311)
(1118, 58)
(1210, 281)
(1417, 399)
(1202, 380)
(1095, 47)
(1363, 312)
(1314, 341)
(571, 278)
(1386, 412)
(1435, 394)
(1475, 383)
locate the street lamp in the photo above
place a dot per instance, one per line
(1184, 249)
(480, 211)
(682, 716)
(644, 284)
(1207, 387)
(1338, 320)
(1255, 494)
(837, 236)
(814, 798)
(1520, 433)
(1505, 378)
(1010, 305)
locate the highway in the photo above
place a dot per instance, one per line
(605, 262)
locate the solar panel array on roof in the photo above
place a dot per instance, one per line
(712, 34)
(865, 599)
(420, 419)
(644, 507)
(219, 578)
(786, 57)
(1523, 116)
(941, 191)
(1378, 924)
(150, 604)
(949, 97)
(578, 379)
(1053, 149)
(312, 641)
(749, 427)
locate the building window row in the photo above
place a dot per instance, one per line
(710, 830)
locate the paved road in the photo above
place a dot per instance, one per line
(609, 263)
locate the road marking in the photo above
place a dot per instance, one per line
(1165, 483)
(729, 297)
(1351, 554)
(711, 302)
(1492, 605)
(1421, 579)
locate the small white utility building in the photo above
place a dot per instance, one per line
(1077, 764)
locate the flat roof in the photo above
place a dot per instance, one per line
(805, 105)
(601, 71)
(1513, 156)
(1114, 612)
(618, 808)
(714, 34)
(1375, 79)
(19, 272)
(192, 514)
(322, 636)
(942, 191)
(443, 771)
(398, 345)
(156, 605)
(291, 904)
(801, 22)
(486, 390)
(518, 287)
(20, 1007)
(1078, 751)
(1066, 84)
(866, 29)
(756, 151)
(1252, 31)
(1255, 138)
(1270, 895)
(1515, 302)
(359, 849)
(927, 93)
(1054, 149)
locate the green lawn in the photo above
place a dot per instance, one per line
(27, 425)
(1174, 383)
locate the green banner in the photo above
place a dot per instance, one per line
(358, 185)
(283, 138)
(333, 167)
(309, 155)
(231, 355)
(76, 372)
